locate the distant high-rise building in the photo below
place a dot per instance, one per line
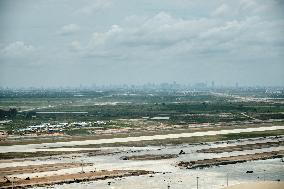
(237, 85)
(200, 85)
(212, 84)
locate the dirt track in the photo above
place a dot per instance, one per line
(242, 147)
(149, 157)
(70, 178)
(38, 168)
(230, 160)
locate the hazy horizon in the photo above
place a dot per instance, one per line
(55, 43)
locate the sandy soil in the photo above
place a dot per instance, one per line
(149, 157)
(258, 185)
(230, 160)
(71, 178)
(46, 138)
(43, 153)
(38, 168)
(165, 171)
(38, 147)
(242, 147)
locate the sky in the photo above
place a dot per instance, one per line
(56, 43)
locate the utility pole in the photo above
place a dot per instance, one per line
(197, 182)
(82, 166)
(264, 175)
(227, 179)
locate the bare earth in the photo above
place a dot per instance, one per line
(38, 168)
(71, 178)
(242, 147)
(258, 185)
(230, 160)
(149, 157)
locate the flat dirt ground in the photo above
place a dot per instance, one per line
(258, 185)
(71, 178)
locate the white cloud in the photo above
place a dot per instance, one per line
(94, 7)
(221, 10)
(75, 45)
(17, 49)
(243, 8)
(248, 5)
(159, 31)
(69, 29)
(183, 37)
(163, 35)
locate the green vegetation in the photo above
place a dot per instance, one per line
(182, 107)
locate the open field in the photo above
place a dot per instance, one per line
(141, 94)
(37, 168)
(242, 147)
(94, 138)
(258, 185)
(37, 139)
(36, 147)
(70, 178)
(230, 160)
(122, 109)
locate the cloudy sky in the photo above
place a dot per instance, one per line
(45, 43)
